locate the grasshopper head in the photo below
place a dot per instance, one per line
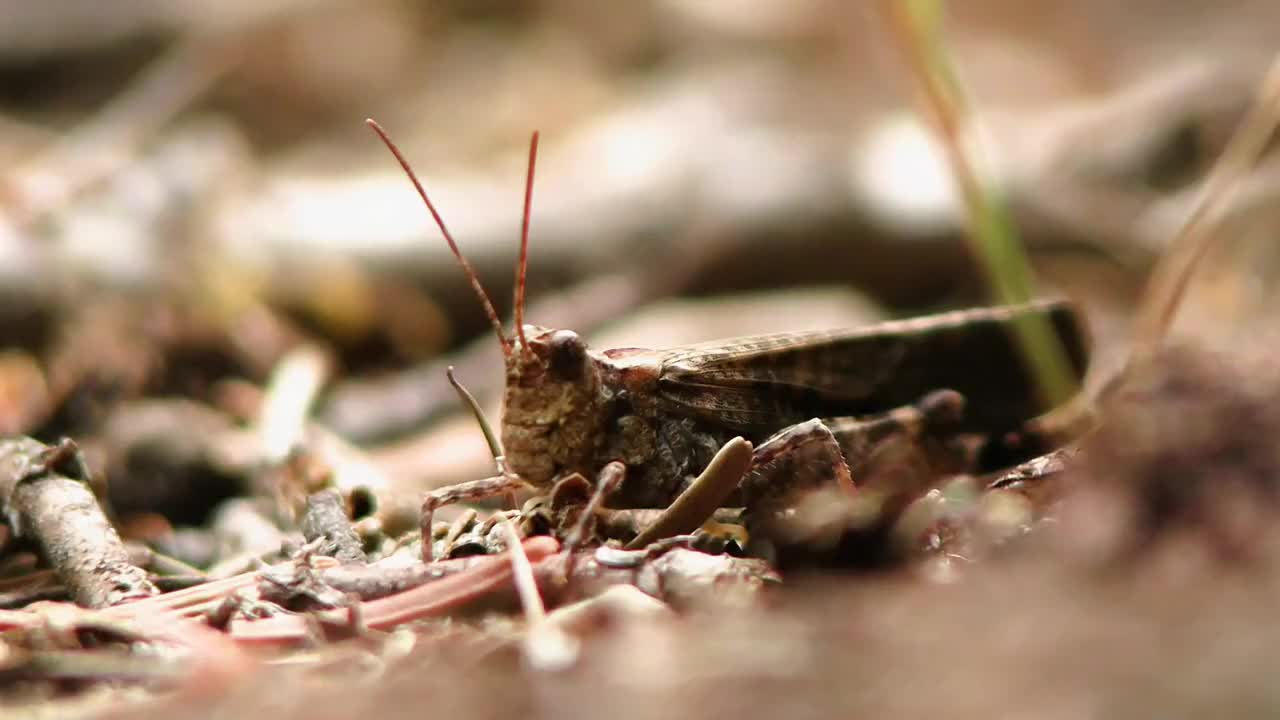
(552, 408)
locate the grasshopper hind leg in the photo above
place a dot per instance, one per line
(935, 416)
(799, 457)
(799, 462)
(802, 483)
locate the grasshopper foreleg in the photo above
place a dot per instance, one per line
(462, 492)
(610, 480)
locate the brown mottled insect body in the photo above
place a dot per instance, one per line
(665, 413)
(811, 404)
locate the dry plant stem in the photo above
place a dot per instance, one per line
(22, 598)
(522, 574)
(240, 523)
(947, 116)
(239, 564)
(370, 582)
(350, 465)
(194, 601)
(43, 503)
(1171, 276)
(109, 139)
(1035, 470)
(326, 517)
(19, 620)
(1005, 263)
(664, 570)
(92, 665)
(294, 384)
(169, 583)
(589, 614)
(190, 602)
(660, 571)
(488, 575)
(162, 564)
(28, 580)
(217, 662)
(699, 501)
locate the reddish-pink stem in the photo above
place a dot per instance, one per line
(488, 576)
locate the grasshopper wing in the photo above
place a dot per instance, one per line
(756, 385)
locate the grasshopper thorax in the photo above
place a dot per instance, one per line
(552, 408)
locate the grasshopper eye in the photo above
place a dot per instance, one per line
(568, 354)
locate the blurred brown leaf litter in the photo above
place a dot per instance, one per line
(215, 281)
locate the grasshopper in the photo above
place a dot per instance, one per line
(813, 403)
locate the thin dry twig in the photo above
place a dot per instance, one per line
(216, 661)
(989, 228)
(191, 602)
(488, 575)
(1171, 276)
(522, 573)
(294, 385)
(370, 582)
(213, 661)
(194, 602)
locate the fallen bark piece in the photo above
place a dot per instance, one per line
(326, 518)
(45, 497)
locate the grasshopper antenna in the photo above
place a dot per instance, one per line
(466, 266)
(522, 268)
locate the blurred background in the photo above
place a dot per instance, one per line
(217, 280)
(189, 193)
